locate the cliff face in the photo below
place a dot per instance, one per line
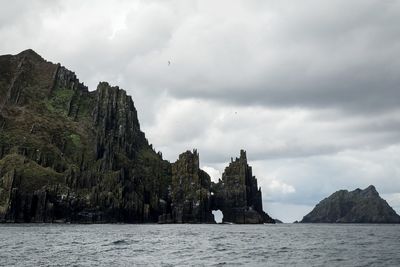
(67, 154)
(190, 191)
(194, 196)
(237, 194)
(358, 206)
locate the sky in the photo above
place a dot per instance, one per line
(310, 89)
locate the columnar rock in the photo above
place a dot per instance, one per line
(237, 195)
(72, 155)
(190, 191)
(358, 206)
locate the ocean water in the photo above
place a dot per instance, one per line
(199, 245)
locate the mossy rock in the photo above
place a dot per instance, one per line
(30, 175)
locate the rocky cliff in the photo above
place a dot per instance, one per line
(190, 191)
(194, 196)
(237, 195)
(70, 154)
(358, 206)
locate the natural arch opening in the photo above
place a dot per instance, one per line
(218, 216)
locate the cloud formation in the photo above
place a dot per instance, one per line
(310, 89)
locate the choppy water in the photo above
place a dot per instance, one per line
(199, 245)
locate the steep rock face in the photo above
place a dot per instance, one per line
(358, 206)
(24, 77)
(67, 154)
(237, 195)
(190, 192)
(194, 197)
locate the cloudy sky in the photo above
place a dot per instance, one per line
(309, 88)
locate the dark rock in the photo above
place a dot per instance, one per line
(194, 196)
(237, 195)
(358, 206)
(53, 127)
(190, 191)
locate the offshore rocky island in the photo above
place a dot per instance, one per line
(68, 154)
(358, 206)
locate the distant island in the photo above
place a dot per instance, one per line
(358, 206)
(68, 154)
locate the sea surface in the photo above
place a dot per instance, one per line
(199, 245)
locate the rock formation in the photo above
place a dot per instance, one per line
(358, 206)
(237, 195)
(70, 154)
(190, 192)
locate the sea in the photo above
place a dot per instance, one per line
(199, 245)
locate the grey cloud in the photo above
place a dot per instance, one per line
(339, 54)
(342, 55)
(271, 53)
(220, 131)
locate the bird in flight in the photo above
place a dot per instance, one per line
(169, 62)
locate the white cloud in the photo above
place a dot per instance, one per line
(214, 173)
(279, 187)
